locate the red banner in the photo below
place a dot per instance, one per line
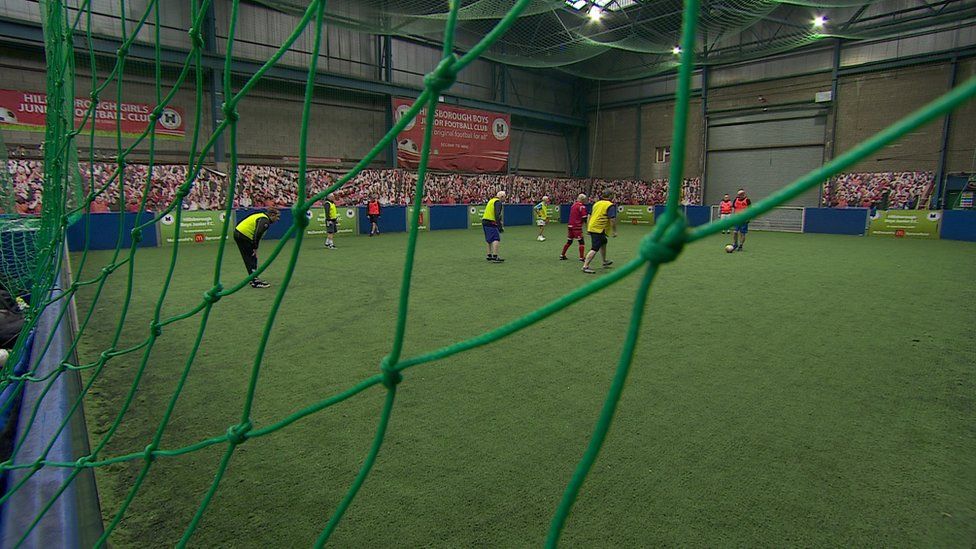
(465, 140)
(20, 110)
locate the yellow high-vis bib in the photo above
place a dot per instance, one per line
(490, 210)
(250, 224)
(599, 222)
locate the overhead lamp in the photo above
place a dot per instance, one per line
(819, 21)
(676, 50)
(595, 13)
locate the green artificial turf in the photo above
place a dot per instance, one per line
(812, 391)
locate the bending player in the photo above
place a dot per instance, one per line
(740, 203)
(541, 217)
(602, 220)
(331, 221)
(574, 230)
(492, 223)
(248, 235)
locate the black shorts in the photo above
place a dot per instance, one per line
(597, 241)
(373, 218)
(331, 226)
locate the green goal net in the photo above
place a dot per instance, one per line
(65, 203)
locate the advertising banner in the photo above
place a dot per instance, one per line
(464, 140)
(475, 212)
(348, 221)
(635, 215)
(195, 227)
(25, 110)
(905, 223)
(423, 221)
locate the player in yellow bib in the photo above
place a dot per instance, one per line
(541, 217)
(493, 225)
(331, 221)
(248, 235)
(603, 223)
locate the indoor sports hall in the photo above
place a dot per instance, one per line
(485, 273)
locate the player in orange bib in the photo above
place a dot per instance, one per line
(725, 210)
(740, 203)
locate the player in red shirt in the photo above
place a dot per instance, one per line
(373, 211)
(740, 203)
(574, 230)
(725, 210)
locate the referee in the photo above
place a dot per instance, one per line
(248, 235)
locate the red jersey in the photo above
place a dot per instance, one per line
(373, 208)
(741, 204)
(577, 213)
(725, 206)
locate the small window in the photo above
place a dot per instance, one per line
(662, 155)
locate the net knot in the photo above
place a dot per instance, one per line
(230, 113)
(196, 38)
(443, 76)
(299, 216)
(136, 235)
(391, 376)
(665, 243)
(94, 96)
(182, 191)
(237, 434)
(83, 461)
(213, 294)
(123, 50)
(106, 354)
(156, 113)
(148, 454)
(155, 328)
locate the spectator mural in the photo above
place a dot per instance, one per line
(880, 190)
(266, 186)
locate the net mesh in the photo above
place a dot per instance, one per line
(630, 39)
(64, 203)
(18, 254)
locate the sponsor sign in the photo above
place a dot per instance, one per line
(464, 140)
(27, 110)
(348, 221)
(423, 221)
(196, 226)
(635, 215)
(905, 223)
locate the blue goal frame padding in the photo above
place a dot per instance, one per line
(959, 225)
(517, 214)
(696, 215)
(851, 221)
(105, 230)
(448, 217)
(393, 219)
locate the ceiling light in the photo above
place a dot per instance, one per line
(595, 13)
(676, 50)
(819, 21)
